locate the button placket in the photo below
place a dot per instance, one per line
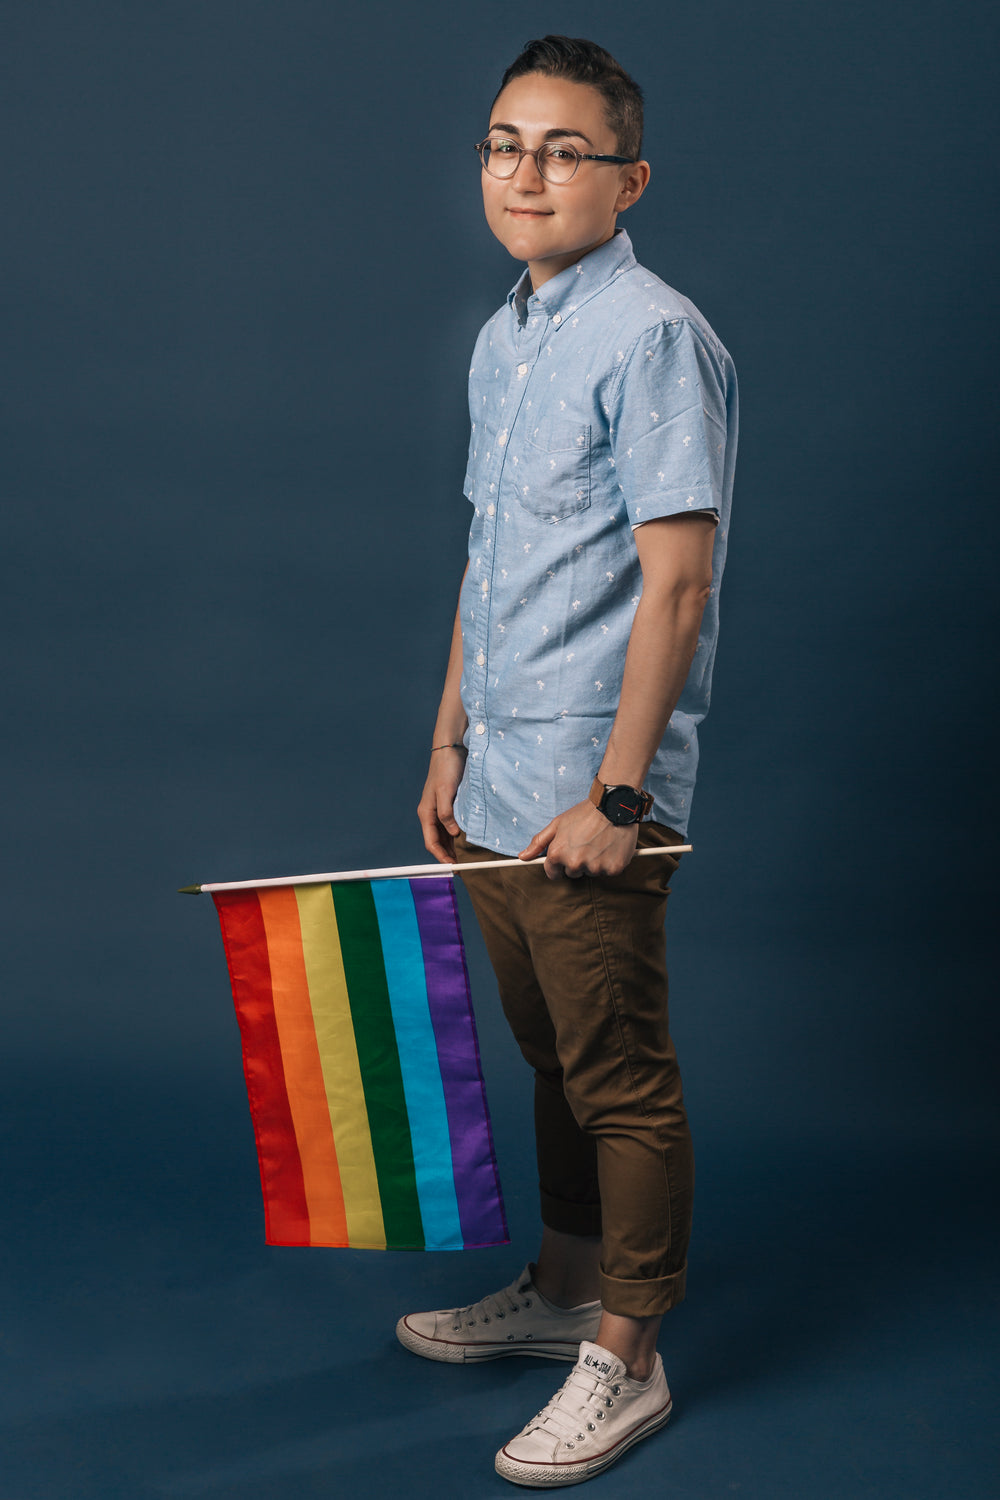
(528, 341)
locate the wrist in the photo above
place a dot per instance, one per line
(621, 804)
(616, 770)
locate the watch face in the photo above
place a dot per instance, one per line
(622, 805)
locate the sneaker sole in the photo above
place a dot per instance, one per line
(467, 1354)
(549, 1476)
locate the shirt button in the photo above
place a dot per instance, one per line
(481, 659)
(480, 728)
(522, 369)
(557, 318)
(491, 509)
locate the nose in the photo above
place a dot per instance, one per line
(527, 177)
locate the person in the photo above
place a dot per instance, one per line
(603, 412)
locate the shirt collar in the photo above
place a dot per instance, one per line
(577, 284)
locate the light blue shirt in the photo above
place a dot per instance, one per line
(600, 402)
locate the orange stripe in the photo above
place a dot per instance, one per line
(303, 1070)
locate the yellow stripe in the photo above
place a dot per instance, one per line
(341, 1071)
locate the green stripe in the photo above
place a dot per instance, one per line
(381, 1075)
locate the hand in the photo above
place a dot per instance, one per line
(435, 809)
(581, 841)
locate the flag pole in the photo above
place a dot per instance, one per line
(396, 872)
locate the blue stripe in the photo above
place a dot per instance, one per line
(406, 977)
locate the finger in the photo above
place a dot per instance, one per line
(444, 808)
(432, 844)
(560, 865)
(428, 824)
(436, 840)
(442, 849)
(539, 843)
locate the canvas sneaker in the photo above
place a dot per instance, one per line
(515, 1320)
(596, 1416)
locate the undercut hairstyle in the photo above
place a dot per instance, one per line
(580, 61)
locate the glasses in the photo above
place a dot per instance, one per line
(556, 161)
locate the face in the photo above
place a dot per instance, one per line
(553, 225)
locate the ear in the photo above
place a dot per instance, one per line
(633, 185)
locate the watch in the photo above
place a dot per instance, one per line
(621, 805)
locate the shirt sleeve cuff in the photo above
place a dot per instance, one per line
(706, 510)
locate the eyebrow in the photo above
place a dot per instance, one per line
(559, 133)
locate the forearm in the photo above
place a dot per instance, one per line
(447, 758)
(660, 651)
(451, 722)
(675, 554)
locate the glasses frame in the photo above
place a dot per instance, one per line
(621, 161)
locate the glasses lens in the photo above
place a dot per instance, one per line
(500, 157)
(557, 163)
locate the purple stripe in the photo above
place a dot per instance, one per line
(477, 1183)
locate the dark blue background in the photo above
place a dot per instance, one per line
(235, 348)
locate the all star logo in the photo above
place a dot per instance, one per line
(600, 1365)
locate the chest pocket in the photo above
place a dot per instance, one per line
(553, 474)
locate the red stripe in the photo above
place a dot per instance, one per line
(286, 1214)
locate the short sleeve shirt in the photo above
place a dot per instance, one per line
(600, 402)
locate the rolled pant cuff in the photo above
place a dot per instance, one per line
(570, 1218)
(643, 1299)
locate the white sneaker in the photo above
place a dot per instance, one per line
(515, 1320)
(588, 1424)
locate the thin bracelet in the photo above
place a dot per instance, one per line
(455, 745)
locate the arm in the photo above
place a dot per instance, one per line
(675, 554)
(434, 810)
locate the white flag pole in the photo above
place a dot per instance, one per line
(397, 872)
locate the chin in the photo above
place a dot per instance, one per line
(519, 248)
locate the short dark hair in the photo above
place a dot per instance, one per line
(581, 61)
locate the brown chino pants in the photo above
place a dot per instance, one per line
(581, 969)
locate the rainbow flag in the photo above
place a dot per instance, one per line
(362, 1065)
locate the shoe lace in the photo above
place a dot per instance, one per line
(510, 1299)
(579, 1406)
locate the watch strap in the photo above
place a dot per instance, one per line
(599, 791)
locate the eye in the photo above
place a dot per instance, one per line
(560, 153)
(503, 147)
